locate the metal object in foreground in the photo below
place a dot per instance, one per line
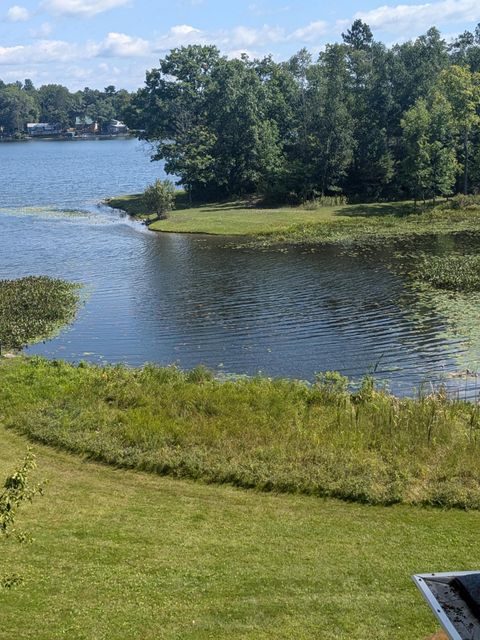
(453, 599)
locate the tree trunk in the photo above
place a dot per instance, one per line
(465, 174)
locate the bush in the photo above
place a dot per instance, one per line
(326, 201)
(16, 490)
(462, 201)
(160, 197)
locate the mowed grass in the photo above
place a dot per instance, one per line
(125, 555)
(237, 218)
(308, 225)
(272, 435)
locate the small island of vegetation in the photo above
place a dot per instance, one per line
(34, 308)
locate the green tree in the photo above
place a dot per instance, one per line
(442, 154)
(17, 107)
(246, 151)
(56, 104)
(160, 197)
(416, 163)
(462, 89)
(332, 131)
(172, 111)
(17, 489)
(372, 166)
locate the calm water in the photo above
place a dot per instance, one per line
(190, 299)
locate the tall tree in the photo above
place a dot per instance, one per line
(443, 159)
(416, 162)
(462, 89)
(172, 111)
(17, 107)
(56, 103)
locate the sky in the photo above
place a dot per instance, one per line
(97, 43)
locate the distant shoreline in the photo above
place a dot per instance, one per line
(61, 138)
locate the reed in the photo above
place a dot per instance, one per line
(272, 435)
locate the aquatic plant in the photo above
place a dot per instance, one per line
(33, 308)
(450, 271)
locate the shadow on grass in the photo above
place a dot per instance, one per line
(399, 209)
(230, 205)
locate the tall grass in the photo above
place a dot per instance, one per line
(258, 433)
(326, 201)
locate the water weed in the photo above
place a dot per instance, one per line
(33, 308)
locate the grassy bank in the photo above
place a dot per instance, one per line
(231, 218)
(271, 435)
(119, 554)
(376, 223)
(310, 225)
(34, 308)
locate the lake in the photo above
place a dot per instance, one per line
(192, 299)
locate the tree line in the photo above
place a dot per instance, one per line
(22, 102)
(363, 119)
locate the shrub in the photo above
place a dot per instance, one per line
(462, 201)
(160, 197)
(16, 489)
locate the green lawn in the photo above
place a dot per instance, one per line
(124, 555)
(231, 218)
(308, 224)
(219, 219)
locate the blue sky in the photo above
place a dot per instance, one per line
(99, 42)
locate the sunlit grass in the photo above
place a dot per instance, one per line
(120, 554)
(310, 224)
(256, 433)
(223, 218)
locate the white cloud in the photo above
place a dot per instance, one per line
(122, 46)
(82, 8)
(117, 45)
(418, 16)
(17, 14)
(311, 32)
(248, 37)
(70, 62)
(41, 51)
(232, 41)
(43, 31)
(180, 36)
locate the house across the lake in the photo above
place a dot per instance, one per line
(86, 126)
(116, 128)
(39, 129)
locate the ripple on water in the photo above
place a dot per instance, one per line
(190, 300)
